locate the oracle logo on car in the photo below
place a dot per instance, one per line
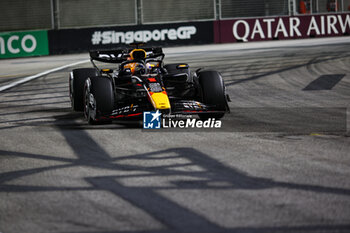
(114, 37)
(283, 27)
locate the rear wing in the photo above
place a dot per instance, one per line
(108, 56)
(121, 55)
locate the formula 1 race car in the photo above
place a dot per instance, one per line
(141, 82)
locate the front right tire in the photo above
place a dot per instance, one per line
(213, 93)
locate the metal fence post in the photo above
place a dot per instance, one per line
(139, 11)
(55, 14)
(311, 7)
(291, 7)
(52, 15)
(217, 6)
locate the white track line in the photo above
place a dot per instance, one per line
(32, 77)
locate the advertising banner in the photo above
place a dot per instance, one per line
(275, 28)
(23, 44)
(81, 40)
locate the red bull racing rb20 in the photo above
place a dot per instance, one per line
(140, 81)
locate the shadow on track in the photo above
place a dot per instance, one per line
(174, 216)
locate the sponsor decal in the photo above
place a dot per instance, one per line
(282, 27)
(125, 110)
(155, 87)
(117, 37)
(192, 105)
(21, 44)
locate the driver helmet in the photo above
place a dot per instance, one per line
(136, 67)
(137, 54)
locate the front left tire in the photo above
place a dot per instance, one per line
(77, 80)
(99, 99)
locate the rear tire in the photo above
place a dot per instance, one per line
(99, 99)
(213, 93)
(77, 80)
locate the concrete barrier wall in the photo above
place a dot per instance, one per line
(81, 40)
(36, 43)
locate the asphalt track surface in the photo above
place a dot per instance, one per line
(58, 174)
